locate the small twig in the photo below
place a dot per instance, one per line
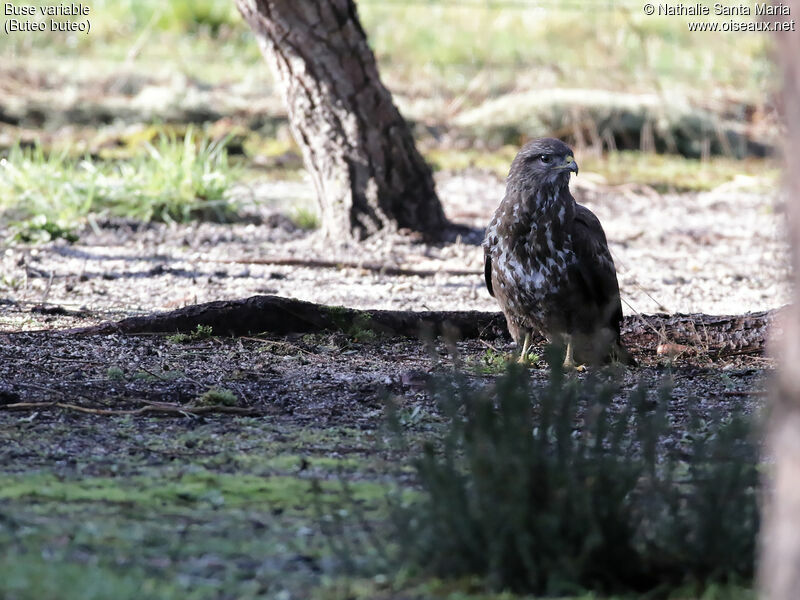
(661, 336)
(42, 388)
(46, 293)
(291, 261)
(490, 346)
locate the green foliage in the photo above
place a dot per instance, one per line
(38, 229)
(362, 329)
(512, 44)
(481, 48)
(193, 15)
(180, 16)
(305, 218)
(217, 396)
(45, 195)
(663, 172)
(179, 180)
(669, 173)
(555, 490)
(31, 577)
(115, 373)
(493, 362)
(201, 332)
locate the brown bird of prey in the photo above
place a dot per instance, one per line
(547, 262)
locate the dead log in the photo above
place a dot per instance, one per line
(277, 315)
(714, 335)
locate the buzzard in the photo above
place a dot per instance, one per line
(546, 260)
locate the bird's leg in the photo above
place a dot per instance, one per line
(569, 361)
(526, 346)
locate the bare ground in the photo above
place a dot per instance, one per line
(307, 398)
(720, 252)
(717, 252)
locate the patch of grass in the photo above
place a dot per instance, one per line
(490, 362)
(362, 329)
(670, 173)
(564, 493)
(467, 49)
(497, 161)
(192, 489)
(11, 282)
(359, 329)
(516, 45)
(38, 229)
(305, 218)
(115, 373)
(196, 15)
(32, 577)
(175, 532)
(172, 180)
(663, 172)
(217, 396)
(201, 332)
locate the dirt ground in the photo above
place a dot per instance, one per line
(719, 252)
(85, 471)
(182, 504)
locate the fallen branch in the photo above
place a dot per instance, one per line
(312, 263)
(710, 334)
(274, 314)
(715, 335)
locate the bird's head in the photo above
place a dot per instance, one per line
(544, 161)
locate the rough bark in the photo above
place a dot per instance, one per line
(273, 314)
(779, 568)
(367, 171)
(713, 335)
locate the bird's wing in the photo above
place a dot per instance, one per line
(487, 270)
(595, 267)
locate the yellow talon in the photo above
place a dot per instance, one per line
(569, 361)
(526, 346)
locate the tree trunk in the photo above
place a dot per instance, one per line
(357, 147)
(779, 569)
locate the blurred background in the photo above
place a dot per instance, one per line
(167, 113)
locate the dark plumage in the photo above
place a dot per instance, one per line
(546, 260)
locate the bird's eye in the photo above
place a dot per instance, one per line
(545, 158)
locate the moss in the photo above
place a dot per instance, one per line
(217, 396)
(191, 487)
(200, 332)
(32, 577)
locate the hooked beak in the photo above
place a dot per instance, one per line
(570, 164)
